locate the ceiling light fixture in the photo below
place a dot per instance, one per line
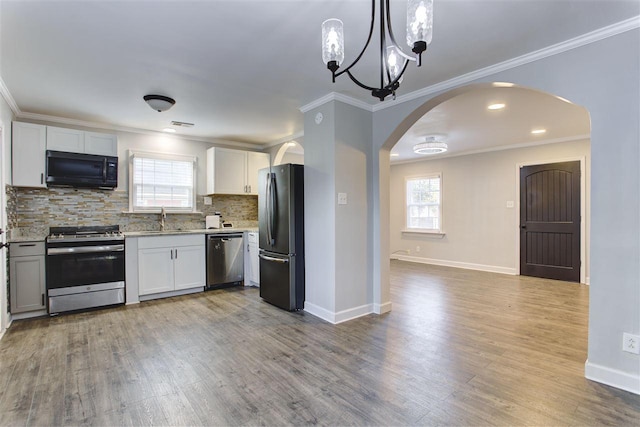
(430, 146)
(169, 130)
(393, 61)
(291, 144)
(538, 131)
(496, 106)
(394, 155)
(159, 103)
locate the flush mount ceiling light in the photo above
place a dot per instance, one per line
(496, 106)
(538, 131)
(393, 61)
(159, 103)
(430, 146)
(169, 130)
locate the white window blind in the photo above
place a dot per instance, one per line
(162, 181)
(424, 210)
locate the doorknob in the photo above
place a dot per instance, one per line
(4, 245)
(523, 226)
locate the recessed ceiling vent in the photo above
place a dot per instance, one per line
(182, 124)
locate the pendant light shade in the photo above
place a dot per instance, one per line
(159, 103)
(332, 41)
(419, 22)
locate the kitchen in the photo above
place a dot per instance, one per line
(347, 144)
(33, 212)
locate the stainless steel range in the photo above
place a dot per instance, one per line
(85, 267)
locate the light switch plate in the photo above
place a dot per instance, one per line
(208, 201)
(342, 198)
(510, 203)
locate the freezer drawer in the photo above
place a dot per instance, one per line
(225, 260)
(281, 281)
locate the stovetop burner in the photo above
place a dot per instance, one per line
(85, 233)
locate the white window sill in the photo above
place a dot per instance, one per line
(425, 232)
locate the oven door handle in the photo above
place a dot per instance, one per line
(85, 250)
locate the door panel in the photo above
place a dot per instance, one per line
(279, 204)
(275, 280)
(550, 221)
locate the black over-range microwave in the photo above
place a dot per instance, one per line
(81, 170)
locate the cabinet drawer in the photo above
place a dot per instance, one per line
(170, 241)
(26, 248)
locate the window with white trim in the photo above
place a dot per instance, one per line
(424, 203)
(161, 180)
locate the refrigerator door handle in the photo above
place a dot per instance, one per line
(271, 195)
(268, 258)
(268, 207)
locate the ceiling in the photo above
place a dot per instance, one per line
(239, 69)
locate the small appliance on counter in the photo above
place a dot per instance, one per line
(212, 221)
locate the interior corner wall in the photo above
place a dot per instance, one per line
(602, 77)
(481, 232)
(319, 211)
(353, 148)
(6, 117)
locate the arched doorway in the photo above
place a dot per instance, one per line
(491, 133)
(290, 152)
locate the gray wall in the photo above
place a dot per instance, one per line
(603, 78)
(481, 232)
(6, 116)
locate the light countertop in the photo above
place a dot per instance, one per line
(199, 231)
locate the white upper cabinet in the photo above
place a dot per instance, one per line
(255, 162)
(105, 144)
(63, 139)
(29, 145)
(77, 141)
(234, 171)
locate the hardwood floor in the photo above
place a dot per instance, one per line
(459, 348)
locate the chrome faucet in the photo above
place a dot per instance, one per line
(163, 215)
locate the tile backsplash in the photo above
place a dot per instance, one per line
(31, 211)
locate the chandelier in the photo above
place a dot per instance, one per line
(431, 145)
(393, 61)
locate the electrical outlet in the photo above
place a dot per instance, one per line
(631, 343)
(208, 201)
(417, 248)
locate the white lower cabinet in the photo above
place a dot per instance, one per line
(252, 260)
(170, 263)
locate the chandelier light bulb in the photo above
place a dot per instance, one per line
(394, 64)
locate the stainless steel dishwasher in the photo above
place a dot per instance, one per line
(225, 260)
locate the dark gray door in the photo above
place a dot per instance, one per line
(274, 215)
(550, 221)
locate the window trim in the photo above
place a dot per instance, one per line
(163, 156)
(436, 231)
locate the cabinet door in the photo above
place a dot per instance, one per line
(27, 283)
(254, 262)
(189, 262)
(155, 270)
(255, 162)
(104, 144)
(226, 171)
(63, 139)
(29, 145)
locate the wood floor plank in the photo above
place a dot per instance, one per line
(459, 348)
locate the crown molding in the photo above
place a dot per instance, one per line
(4, 91)
(582, 40)
(335, 96)
(498, 148)
(104, 126)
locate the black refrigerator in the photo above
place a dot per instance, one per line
(281, 237)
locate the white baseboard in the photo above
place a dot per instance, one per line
(171, 294)
(29, 315)
(587, 280)
(382, 308)
(340, 316)
(320, 312)
(612, 377)
(456, 264)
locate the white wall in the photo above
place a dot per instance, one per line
(481, 232)
(6, 116)
(603, 78)
(297, 159)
